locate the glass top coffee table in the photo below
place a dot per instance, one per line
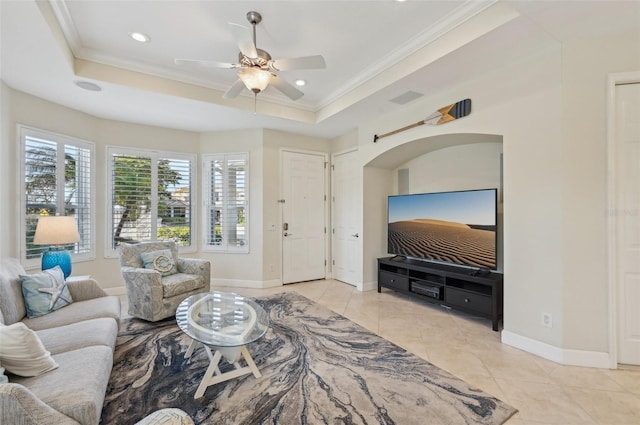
(225, 323)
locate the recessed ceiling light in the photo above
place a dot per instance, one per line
(301, 83)
(138, 36)
(87, 85)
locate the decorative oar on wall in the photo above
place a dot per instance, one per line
(441, 116)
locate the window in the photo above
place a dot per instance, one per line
(226, 195)
(57, 174)
(150, 197)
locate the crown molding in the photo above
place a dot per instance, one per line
(447, 23)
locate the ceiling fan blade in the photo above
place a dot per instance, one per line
(286, 88)
(206, 64)
(234, 90)
(306, 62)
(244, 39)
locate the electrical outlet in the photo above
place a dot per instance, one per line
(547, 320)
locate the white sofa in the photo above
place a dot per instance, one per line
(81, 339)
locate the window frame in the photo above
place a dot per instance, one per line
(206, 205)
(155, 156)
(23, 132)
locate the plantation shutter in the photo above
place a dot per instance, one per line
(150, 196)
(227, 207)
(130, 198)
(174, 205)
(57, 180)
(77, 193)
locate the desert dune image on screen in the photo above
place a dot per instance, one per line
(454, 227)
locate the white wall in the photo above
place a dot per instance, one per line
(465, 167)
(586, 64)
(345, 142)
(550, 110)
(378, 185)
(262, 266)
(8, 193)
(510, 101)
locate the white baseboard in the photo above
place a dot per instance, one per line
(369, 286)
(241, 283)
(555, 354)
(117, 291)
(238, 283)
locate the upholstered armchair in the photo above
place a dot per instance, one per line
(157, 280)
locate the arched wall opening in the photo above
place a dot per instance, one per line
(440, 163)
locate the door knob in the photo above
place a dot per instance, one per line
(287, 234)
(355, 236)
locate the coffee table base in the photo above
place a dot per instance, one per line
(213, 375)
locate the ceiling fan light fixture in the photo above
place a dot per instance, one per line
(301, 83)
(255, 79)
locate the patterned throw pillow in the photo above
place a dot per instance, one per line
(160, 260)
(22, 352)
(45, 292)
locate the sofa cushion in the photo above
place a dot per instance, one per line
(11, 301)
(180, 283)
(22, 352)
(78, 311)
(161, 261)
(103, 331)
(45, 292)
(78, 386)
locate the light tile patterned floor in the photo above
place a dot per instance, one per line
(544, 392)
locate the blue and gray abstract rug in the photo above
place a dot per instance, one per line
(317, 367)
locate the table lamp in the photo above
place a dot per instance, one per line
(56, 231)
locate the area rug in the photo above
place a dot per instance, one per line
(317, 367)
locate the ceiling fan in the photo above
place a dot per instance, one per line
(256, 68)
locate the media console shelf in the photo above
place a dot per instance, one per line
(450, 286)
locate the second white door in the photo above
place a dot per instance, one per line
(627, 223)
(303, 217)
(345, 237)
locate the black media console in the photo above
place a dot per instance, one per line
(450, 286)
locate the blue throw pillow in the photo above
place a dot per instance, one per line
(45, 292)
(161, 260)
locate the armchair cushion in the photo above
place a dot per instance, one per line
(161, 261)
(181, 283)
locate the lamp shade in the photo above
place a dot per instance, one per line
(56, 230)
(255, 79)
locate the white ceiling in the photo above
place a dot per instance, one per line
(374, 50)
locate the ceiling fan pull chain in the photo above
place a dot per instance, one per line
(255, 102)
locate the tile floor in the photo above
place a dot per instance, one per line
(544, 392)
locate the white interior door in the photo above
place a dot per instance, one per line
(345, 230)
(627, 218)
(303, 217)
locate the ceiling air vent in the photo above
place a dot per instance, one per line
(406, 97)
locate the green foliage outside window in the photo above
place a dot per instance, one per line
(180, 234)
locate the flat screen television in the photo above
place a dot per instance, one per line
(458, 228)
